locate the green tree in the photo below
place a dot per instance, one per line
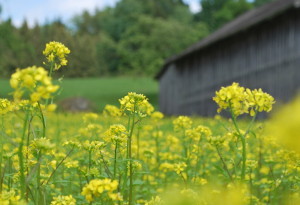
(230, 10)
(216, 13)
(146, 45)
(107, 55)
(9, 48)
(121, 28)
(258, 3)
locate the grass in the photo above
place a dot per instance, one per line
(100, 91)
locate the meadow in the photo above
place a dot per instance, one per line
(130, 154)
(100, 91)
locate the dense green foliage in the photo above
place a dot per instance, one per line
(134, 37)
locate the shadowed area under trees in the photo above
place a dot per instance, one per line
(132, 38)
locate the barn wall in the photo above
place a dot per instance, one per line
(266, 56)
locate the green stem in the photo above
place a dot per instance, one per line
(243, 140)
(250, 125)
(138, 143)
(21, 159)
(224, 164)
(90, 160)
(115, 161)
(51, 68)
(9, 172)
(130, 159)
(198, 158)
(244, 154)
(233, 117)
(43, 120)
(1, 149)
(128, 127)
(60, 163)
(157, 147)
(38, 179)
(244, 145)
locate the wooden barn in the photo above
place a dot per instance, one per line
(260, 49)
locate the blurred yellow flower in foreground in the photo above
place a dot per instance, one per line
(285, 125)
(33, 81)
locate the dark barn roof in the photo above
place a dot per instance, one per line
(241, 23)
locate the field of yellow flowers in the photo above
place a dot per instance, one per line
(132, 154)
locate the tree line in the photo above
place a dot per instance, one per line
(132, 38)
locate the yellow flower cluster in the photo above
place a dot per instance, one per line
(137, 104)
(56, 53)
(33, 81)
(93, 145)
(63, 200)
(87, 117)
(136, 166)
(117, 134)
(111, 110)
(98, 187)
(72, 164)
(180, 167)
(259, 101)
(90, 130)
(216, 140)
(193, 134)
(197, 132)
(182, 123)
(42, 144)
(5, 106)
(157, 116)
(166, 167)
(155, 201)
(10, 197)
(205, 131)
(239, 100)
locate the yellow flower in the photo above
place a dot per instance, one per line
(42, 144)
(166, 167)
(10, 197)
(72, 164)
(259, 101)
(193, 134)
(117, 134)
(155, 201)
(63, 200)
(98, 187)
(91, 130)
(136, 104)
(33, 81)
(90, 117)
(205, 131)
(232, 97)
(56, 53)
(111, 110)
(157, 115)
(5, 106)
(93, 145)
(182, 122)
(180, 167)
(51, 107)
(239, 100)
